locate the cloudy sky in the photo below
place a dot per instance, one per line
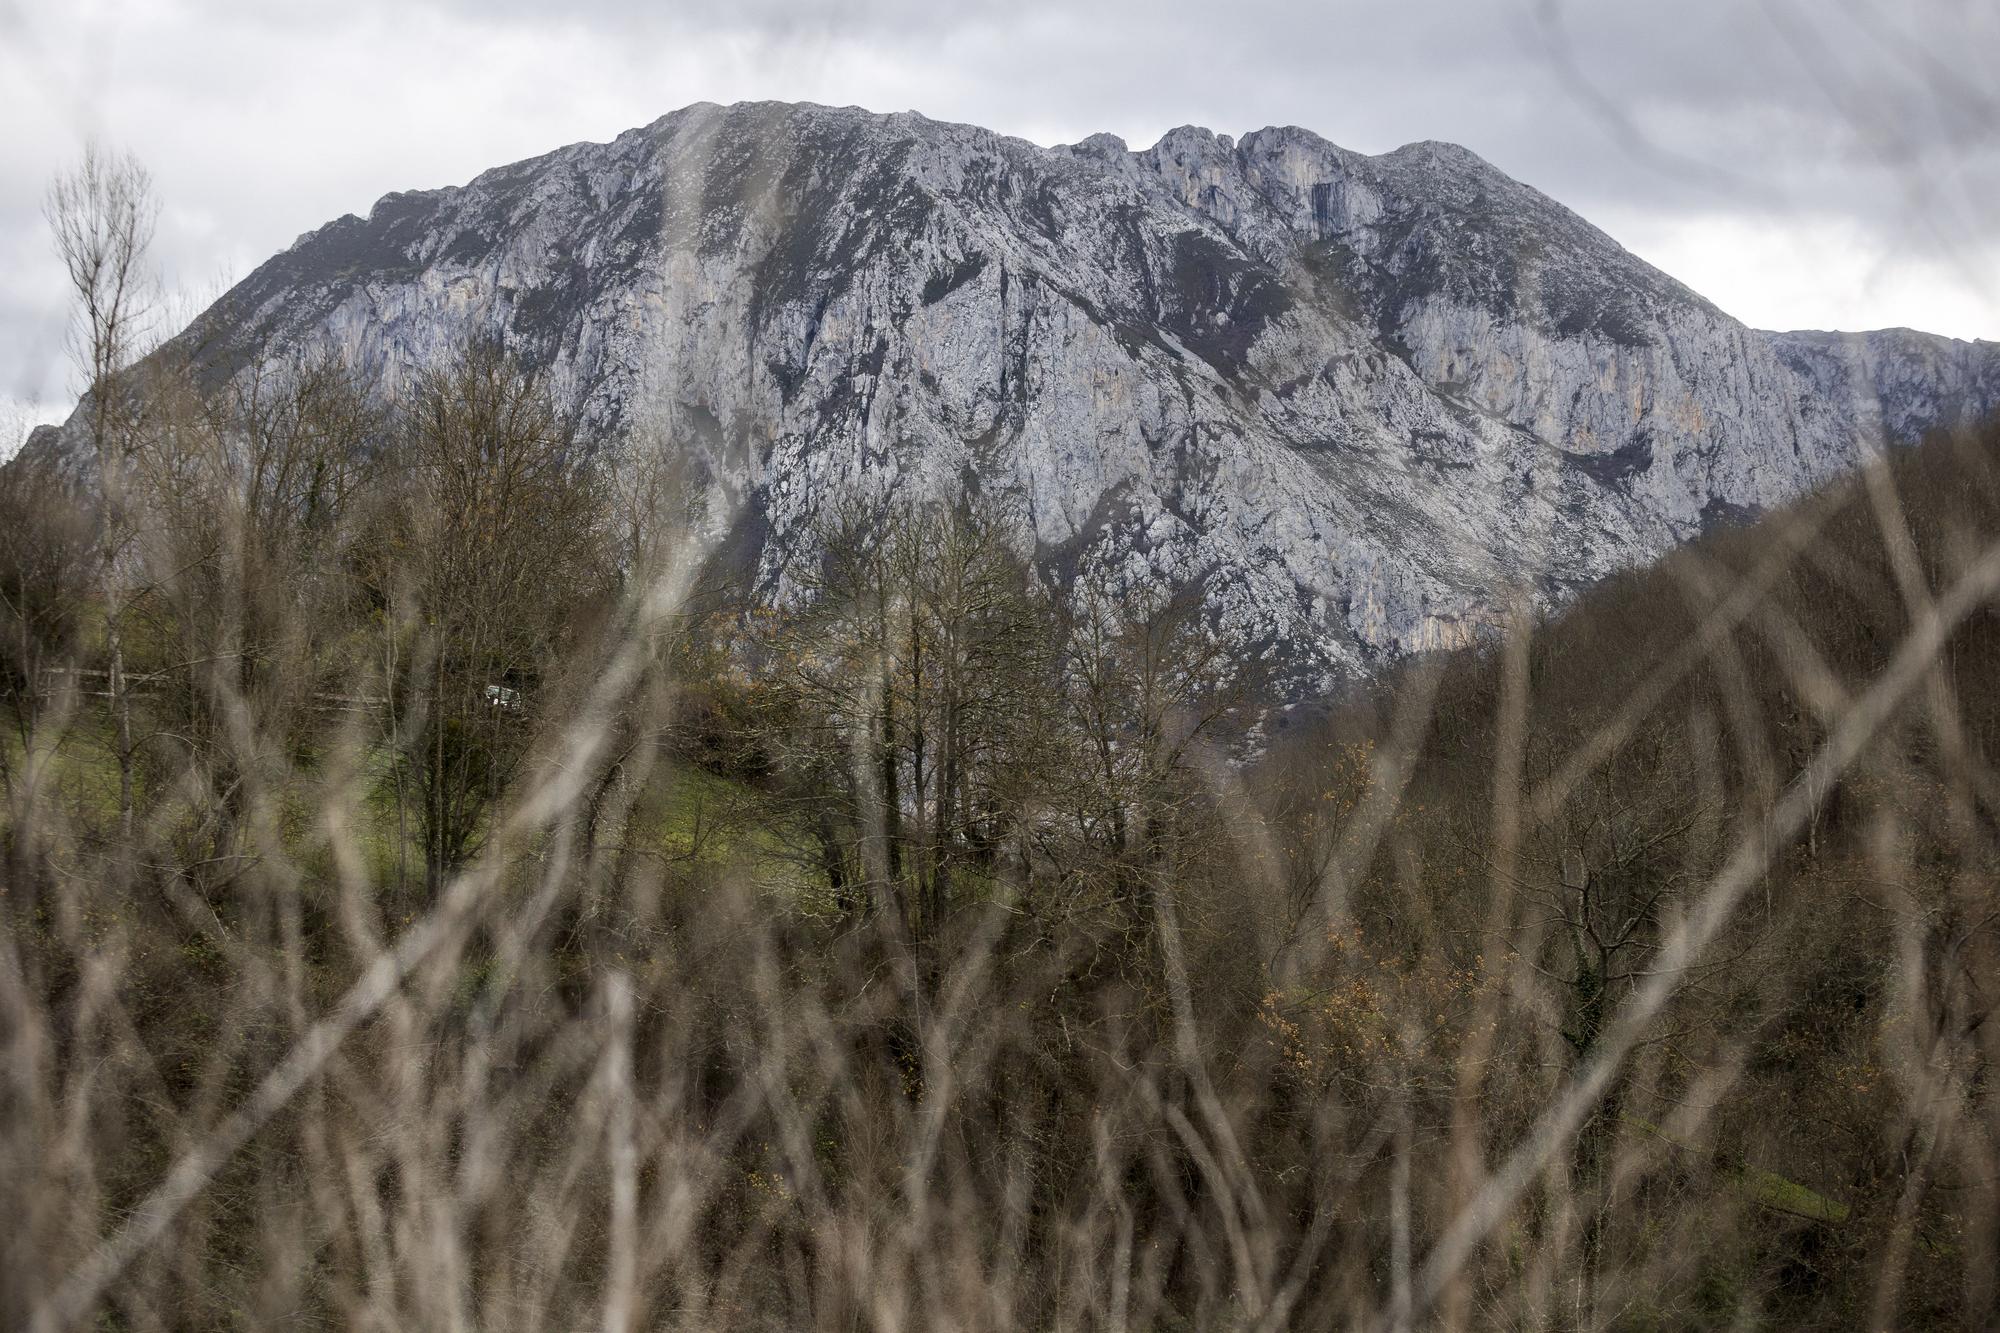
(1803, 163)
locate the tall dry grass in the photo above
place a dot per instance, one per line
(1634, 972)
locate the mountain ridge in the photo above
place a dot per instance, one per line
(1355, 400)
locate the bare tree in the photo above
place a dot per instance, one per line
(47, 556)
(244, 558)
(910, 684)
(495, 550)
(102, 214)
(1143, 685)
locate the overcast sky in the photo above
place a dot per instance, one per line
(1803, 163)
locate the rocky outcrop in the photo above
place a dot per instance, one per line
(1357, 400)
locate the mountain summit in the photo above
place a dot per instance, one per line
(1355, 400)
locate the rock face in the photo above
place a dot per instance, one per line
(1356, 400)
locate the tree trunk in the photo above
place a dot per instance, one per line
(121, 707)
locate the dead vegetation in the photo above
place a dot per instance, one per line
(456, 909)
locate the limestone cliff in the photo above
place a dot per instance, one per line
(1355, 399)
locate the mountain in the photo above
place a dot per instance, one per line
(1356, 400)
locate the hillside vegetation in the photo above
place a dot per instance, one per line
(434, 897)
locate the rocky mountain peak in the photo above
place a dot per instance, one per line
(1356, 400)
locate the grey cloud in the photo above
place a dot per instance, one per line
(1810, 104)
(1871, 112)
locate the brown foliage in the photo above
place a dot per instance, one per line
(926, 955)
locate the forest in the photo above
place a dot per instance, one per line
(442, 890)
